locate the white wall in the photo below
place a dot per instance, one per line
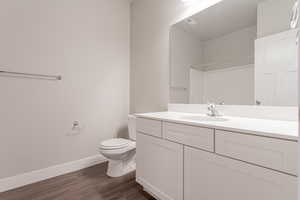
(236, 48)
(185, 52)
(273, 16)
(149, 76)
(85, 41)
(233, 86)
(229, 76)
(226, 78)
(196, 90)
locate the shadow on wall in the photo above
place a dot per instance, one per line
(123, 132)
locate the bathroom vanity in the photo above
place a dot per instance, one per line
(242, 54)
(182, 156)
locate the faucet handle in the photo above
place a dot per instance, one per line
(213, 111)
(211, 106)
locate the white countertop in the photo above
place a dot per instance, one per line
(270, 128)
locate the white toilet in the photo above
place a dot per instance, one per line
(120, 152)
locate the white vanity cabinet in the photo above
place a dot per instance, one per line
(176, 161)
(212, 177)
(160, 167)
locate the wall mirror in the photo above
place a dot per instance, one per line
(235, 53)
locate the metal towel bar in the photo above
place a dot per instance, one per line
(29, 75)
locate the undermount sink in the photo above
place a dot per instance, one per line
(205, 118)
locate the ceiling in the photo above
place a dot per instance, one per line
(223, 18)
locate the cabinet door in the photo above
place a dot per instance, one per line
(160, 167)
(276, 69)
(212, 177)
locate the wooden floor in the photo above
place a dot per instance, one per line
(87, 184)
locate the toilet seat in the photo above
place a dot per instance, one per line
(118, 151)
(131, 146)
(113, 144)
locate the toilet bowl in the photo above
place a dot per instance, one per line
(120, 152)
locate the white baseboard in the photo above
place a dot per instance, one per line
(50, 172)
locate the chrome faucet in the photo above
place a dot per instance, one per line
(212, 110)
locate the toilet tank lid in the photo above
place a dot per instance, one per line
(114, 143)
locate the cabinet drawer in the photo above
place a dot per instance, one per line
(149, 127)
(202, 138)
(267, 152)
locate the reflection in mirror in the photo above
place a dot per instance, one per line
(235, 52)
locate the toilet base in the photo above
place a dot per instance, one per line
(117, 168)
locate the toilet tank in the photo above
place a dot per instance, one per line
(132, 127)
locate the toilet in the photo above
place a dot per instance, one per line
(121, 152)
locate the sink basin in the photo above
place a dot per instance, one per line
(205, 118)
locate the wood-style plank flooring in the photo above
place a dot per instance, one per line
(87, 184)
